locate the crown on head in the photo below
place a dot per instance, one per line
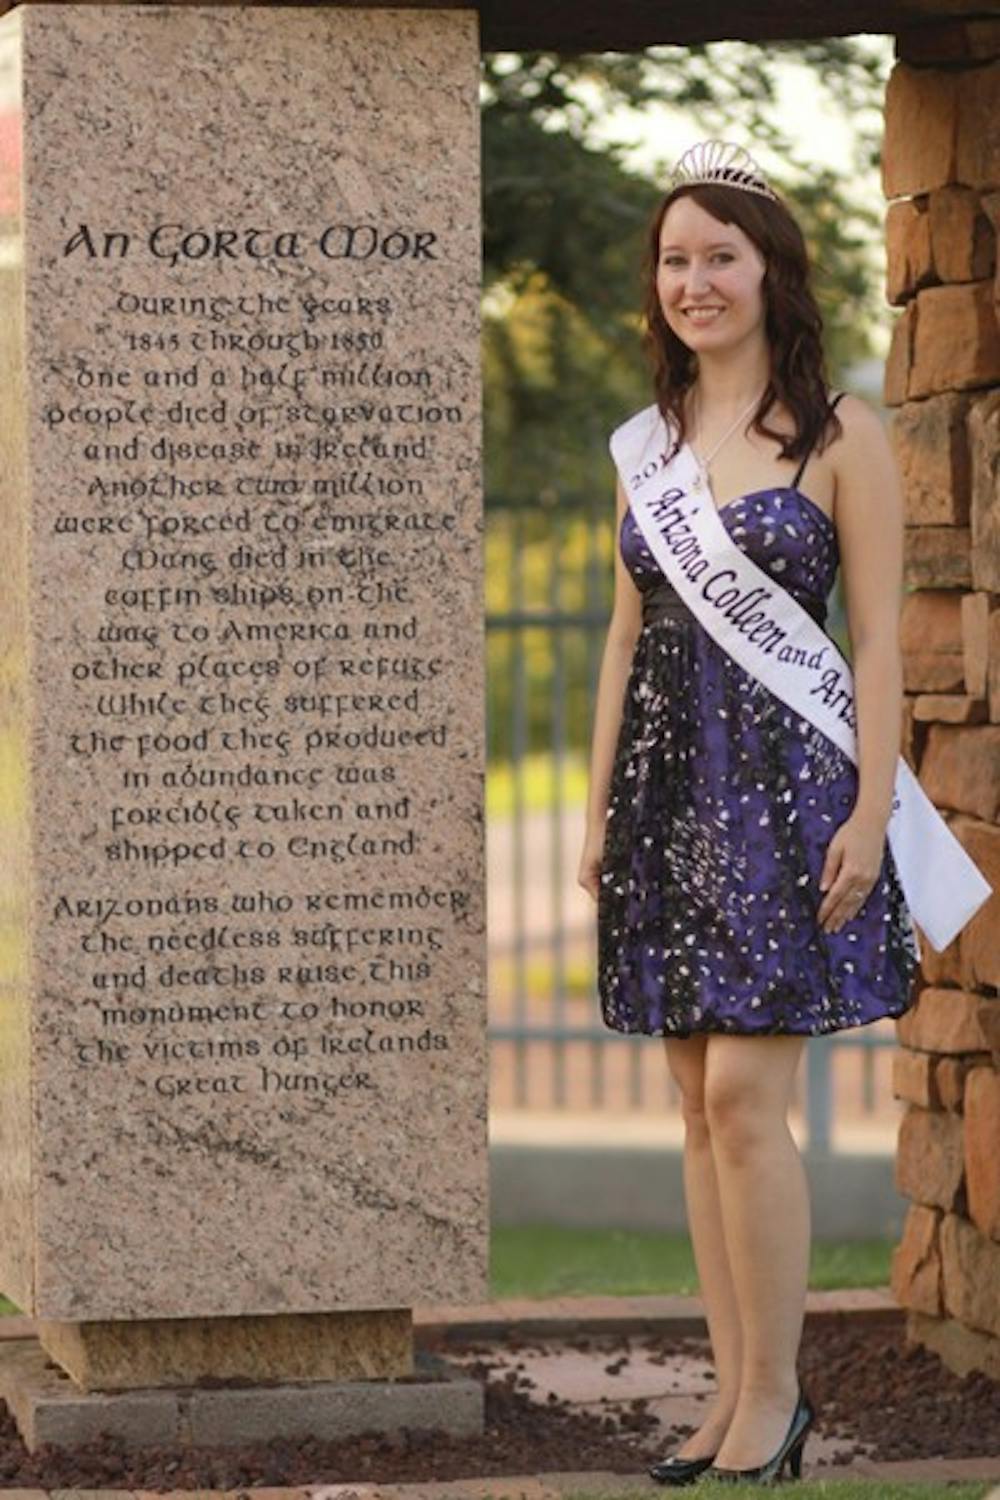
(724, 163)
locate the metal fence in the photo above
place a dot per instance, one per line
(549, 593)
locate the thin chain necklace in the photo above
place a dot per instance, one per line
(703, 461)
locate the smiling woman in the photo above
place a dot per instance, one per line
(729, 274)
(702, 279)
(746, 893)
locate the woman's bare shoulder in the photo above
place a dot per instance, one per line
(866, 477)
(861, 424)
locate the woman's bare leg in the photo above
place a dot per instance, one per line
(686, 1060)
(764, 1197)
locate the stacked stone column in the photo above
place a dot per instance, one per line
(941, 174)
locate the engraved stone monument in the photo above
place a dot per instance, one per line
(242, 1014)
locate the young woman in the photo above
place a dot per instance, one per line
(746, 893)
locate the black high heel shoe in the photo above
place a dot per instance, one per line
(803, 1418)
(676, 1470)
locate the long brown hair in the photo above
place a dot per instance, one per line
(793, 323)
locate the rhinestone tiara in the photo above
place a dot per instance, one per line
(724, 163)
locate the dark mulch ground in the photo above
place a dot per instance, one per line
(873, 1392)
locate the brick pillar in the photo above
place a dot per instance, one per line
(941, 174)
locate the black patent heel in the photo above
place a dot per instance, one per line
(771, 1472)
(795, 1458)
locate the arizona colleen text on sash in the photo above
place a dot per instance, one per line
(771, 636)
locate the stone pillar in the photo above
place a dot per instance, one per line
(243, 1087)
(942, 177)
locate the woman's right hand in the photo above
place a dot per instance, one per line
(589, 873)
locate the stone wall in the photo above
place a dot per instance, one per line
(941, 174)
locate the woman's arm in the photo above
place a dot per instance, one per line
(869, 517)
(869, 521)
(623, 631)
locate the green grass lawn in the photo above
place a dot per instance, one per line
(813, 1489)
(544, 1261)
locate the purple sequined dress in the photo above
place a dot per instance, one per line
(722, 802)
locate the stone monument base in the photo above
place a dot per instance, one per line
(48, 1408)
(284, 1347)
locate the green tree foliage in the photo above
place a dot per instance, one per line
(565, 227)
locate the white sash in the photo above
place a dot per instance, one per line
(773, 638)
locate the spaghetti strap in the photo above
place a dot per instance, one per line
(808, 454)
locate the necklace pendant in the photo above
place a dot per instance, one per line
(697, 481)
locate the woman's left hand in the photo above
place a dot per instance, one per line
(852, 866)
